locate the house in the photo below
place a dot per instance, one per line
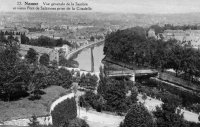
(189, 37)
(65, 49)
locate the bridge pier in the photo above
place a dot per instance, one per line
(92, 59)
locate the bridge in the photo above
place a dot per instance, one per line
(131, 74)
(72, 53)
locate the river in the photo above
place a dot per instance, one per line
(84, 58)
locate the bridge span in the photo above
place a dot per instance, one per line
(68, 56)
(132, 74)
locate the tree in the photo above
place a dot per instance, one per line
(34, 122)
(24, 39)
(44, 59)
(115, 96)
(144, 97)
(54, 63)
(78, 123)
(167, 117)
(31, 56)
(102, 82)
(88, 81)
(64, 112)
(138, 116)
(65, 78)
(92, 38)
(14, 74)
(134, 94)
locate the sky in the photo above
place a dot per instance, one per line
(123, 6)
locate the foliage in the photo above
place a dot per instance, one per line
(138, 116)
(78, 123)
(67, 63)
(65, 78)
(64, 112)
(33, 122)
(144, 97)
(31, 56)
(168, 117)
(45, 41)
(36, 84)
(131, 46)
(162, 94)
(102, 81)
(14, 74)
(134, 94)
(194, 108)
(92, 38)
(89, 98)
(24, 39)
(115, 96)
(88, 81)
(44, 59)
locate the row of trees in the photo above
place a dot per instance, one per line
(9, 33)
(88, 81)
(45, 41)
(131, 46)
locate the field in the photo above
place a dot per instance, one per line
(25, 108)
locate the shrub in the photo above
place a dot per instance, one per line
(33, 122)
(89, 98)
(138, 116)
(64, 112)
(88, 81)
(78, 123)
(44, 59)
(167, 117)
(65, 78)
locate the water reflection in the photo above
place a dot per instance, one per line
(84, 58)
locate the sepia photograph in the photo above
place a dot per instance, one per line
(99, 63)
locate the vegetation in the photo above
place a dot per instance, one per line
(24, 80)
(24, 107)
(170, 95)
(45, 41)
(138, 116)
(111, 95)
(14, 74)
(168, 117)
(31, 56)
(34, 122)
(132, 46)
(88, 81)
(78, 123)
(64, 112)
(66, 78)
(67, 63)
(44, 59)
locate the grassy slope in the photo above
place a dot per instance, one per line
(25, 108)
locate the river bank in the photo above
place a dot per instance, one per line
(111, 65)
